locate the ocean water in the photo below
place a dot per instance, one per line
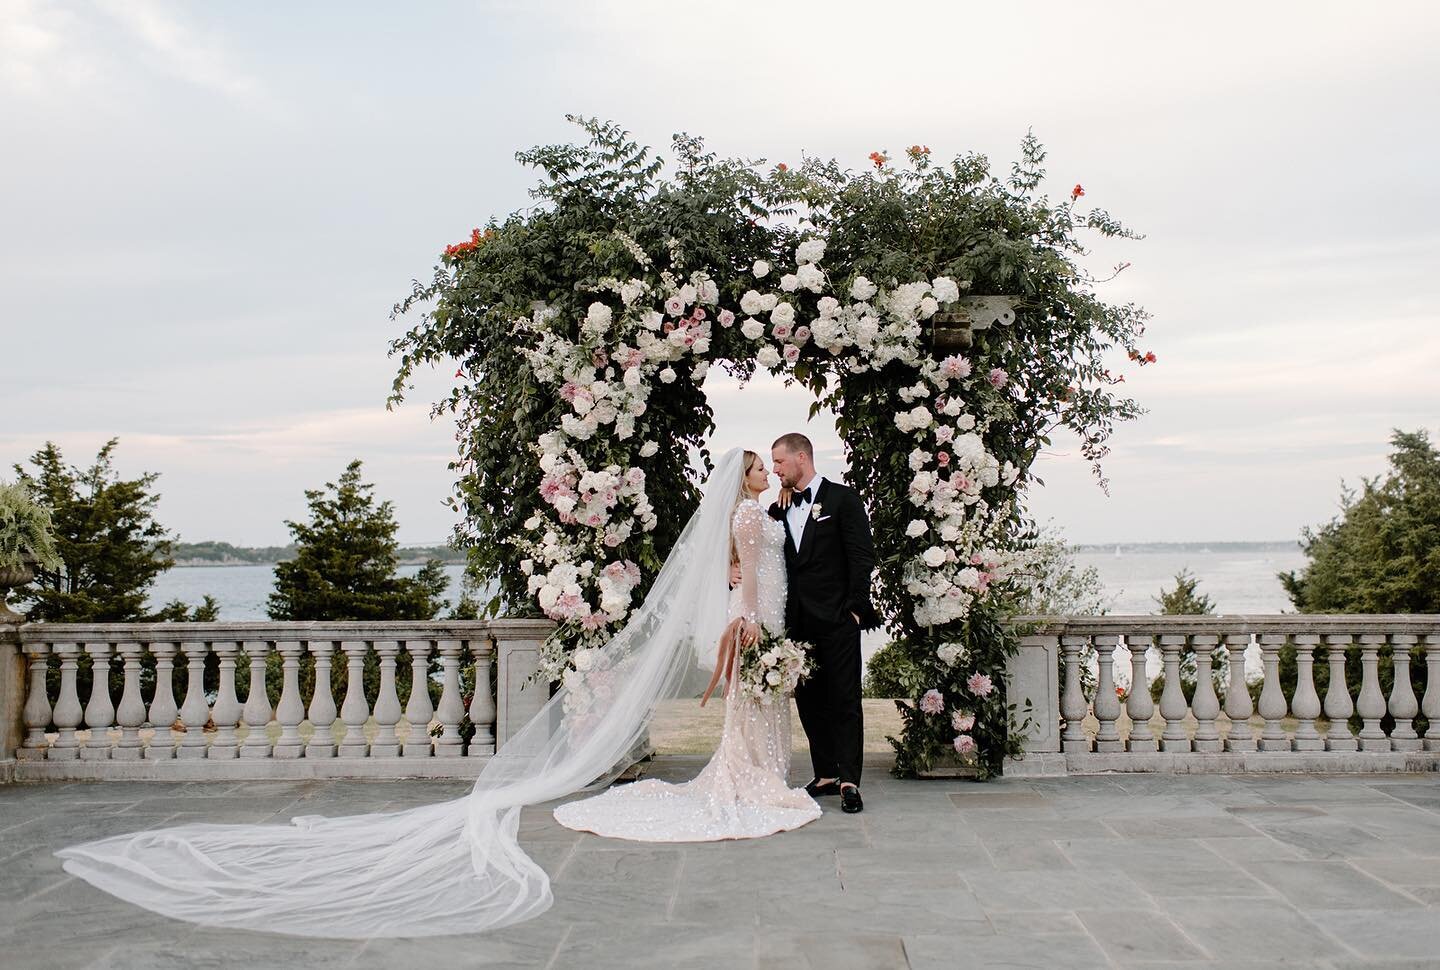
(1238, 581)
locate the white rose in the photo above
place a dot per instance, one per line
(583, 659)
(862, 289)
(761, 269)
(753, 329)
(632, 377)
(648, 449)
(811, 278)
(945, 289)
(969, 577)
(784, 313)
(709, 292)
(768, 356)
(547, 596)
(928, 308)
(701, 369)
(688, 293)
(934, 557)
(916, 528)
(810, 251)
(920, 417)
(630, 292)
(768, 301)
(668, 375)
(789, 282)
(701, 346)
(772, 677)
(828, 306)
(751, 302)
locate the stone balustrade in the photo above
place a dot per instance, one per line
(214, 733)
(1305, 733)
(139, 731)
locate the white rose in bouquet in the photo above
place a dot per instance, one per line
(810, 277)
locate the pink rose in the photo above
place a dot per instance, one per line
(802, 334)
(593, 519)
(965, 744)
(944, 434)
(698, 314)
(674, 306)
(962, 722)
(998, 378)
(634, 359)
(943, 459)
(569, 390)
(980, 685)
(781, 331)
(727, 319)
(792, 353)
(976, 559)
(599, 358)
(933, 702)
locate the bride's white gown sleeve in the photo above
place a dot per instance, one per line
(457, 866)
(743, 792)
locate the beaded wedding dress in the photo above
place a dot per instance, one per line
(743, 792)
(458, 866)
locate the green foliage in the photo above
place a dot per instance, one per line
(1053, 584)
(109, 546)
(1185, 599)
(346, 559)
(25, 530)
(1381, 554)
(992, 235)
(890, 673)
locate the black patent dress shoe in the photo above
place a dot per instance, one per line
(850, 802)
(817, 790)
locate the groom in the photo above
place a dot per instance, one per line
(828, 561)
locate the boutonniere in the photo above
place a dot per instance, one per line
(816, 510)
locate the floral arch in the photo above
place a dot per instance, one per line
(937, 309)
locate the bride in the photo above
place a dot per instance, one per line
(457, 866)
(742, 793)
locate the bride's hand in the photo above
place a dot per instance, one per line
(749, 633)
(784, 499)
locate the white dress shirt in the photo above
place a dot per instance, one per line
(797, 516)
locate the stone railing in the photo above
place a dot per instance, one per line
(212, 733)
(1307, 733)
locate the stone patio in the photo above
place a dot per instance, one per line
(1129, 871)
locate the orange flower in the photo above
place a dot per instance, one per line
(915, 151)
(1077, 191)
(782, 168)
(1149, 358)
(879, 159)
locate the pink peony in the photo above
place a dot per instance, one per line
(594, 621)
(980, 685)
(965, 744)
(998, 378)
(569, 390)
(962, 722)
(955, 367)
(933, 702)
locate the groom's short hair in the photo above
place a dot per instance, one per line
(795, 441)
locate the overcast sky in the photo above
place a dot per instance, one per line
(208, 210)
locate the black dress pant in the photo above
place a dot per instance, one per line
(829, 699)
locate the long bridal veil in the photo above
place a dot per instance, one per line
(454, 866)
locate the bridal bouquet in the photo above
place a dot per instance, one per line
(772, 667)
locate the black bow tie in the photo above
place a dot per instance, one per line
(801, 496)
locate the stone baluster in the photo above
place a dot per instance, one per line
(100, 711)
(354, 711)
(256, 714)
(1272, 698)
(37, 704)
(1338, 706)
(387, 703)
(1431, 708)
(291, 709)
(227, 709)
(419, 709)
(1403, 706)
(482, 702)
(130, 715)
(163, 711)
(451, 710)
(195, 711)
(1370, 705)
(1205, 706)
(1072, 703)
(1305, 705)
(1107, 705)
(68, 712)
(1238, 706)
(322, 703)
(1172, 700)
(1139, 705)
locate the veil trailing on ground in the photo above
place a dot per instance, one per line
(454, 866)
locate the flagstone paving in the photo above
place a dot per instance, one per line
(1120, 871)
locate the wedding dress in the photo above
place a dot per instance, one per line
(455, 866)
(742, 793)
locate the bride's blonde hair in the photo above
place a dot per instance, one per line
(741, 494)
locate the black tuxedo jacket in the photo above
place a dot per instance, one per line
(830, 573)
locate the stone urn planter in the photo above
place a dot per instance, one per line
(13, 578)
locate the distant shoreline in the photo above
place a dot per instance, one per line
(1286, 545)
